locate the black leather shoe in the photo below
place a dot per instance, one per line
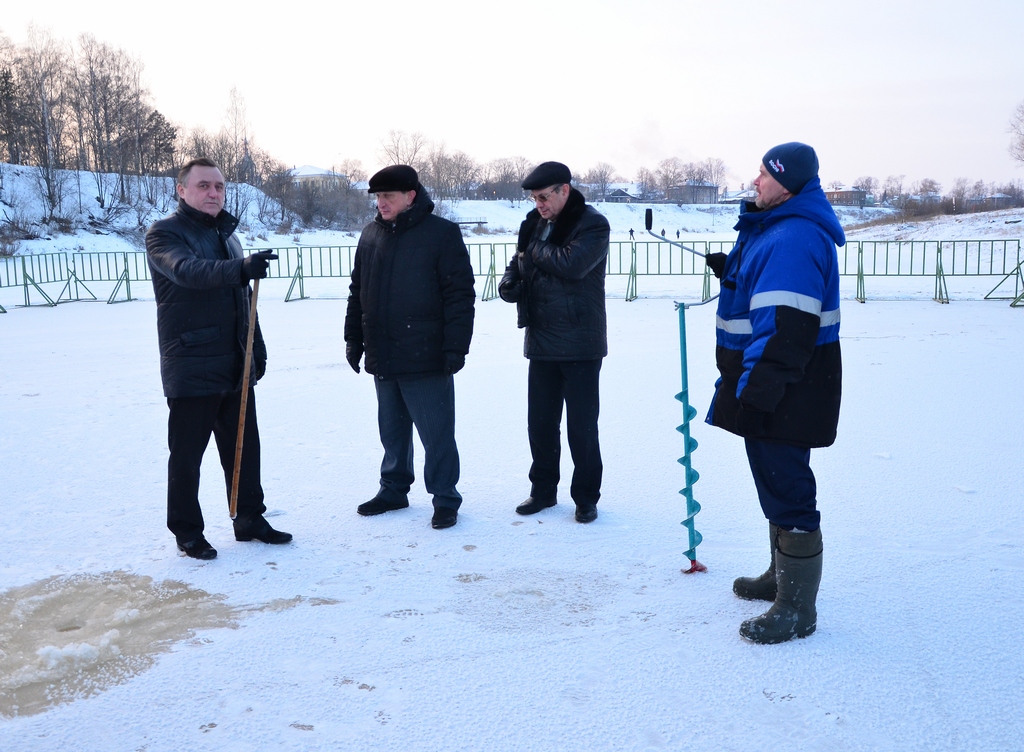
(444, 517)
(377, 505)
(259, 529)
(586, 512)
(198, 549)
(532, 505)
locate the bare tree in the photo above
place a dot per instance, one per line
(927, 186)
(44, 71)
(598, 178)
(714, 169)
(892, 190)
(866, 183)
(465, 172)
(958, 194)
(353, 170)
(400, 147)
(670, 173)
(1017, 133)
(646, 183)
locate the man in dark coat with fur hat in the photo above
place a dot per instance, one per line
(410, 309)
(557, 281)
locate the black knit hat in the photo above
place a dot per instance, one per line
(397, 177)
(545, 174)
(792, 164)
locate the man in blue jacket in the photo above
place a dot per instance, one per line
(201, 280)
(557, 281)
(410, 310)
(781, 374)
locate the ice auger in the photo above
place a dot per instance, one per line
(689, 413)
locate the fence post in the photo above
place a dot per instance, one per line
(123, 279)
(941, 293)
(490, 291)
(861, 297)
(297, 277)
(631, 281)
(73, 279)
(27, 280)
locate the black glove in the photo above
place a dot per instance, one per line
(259, 368)
(750, 421)
(716, 263)
(453, 362)
(353, 352)
(256, 265)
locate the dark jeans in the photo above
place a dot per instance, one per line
(428, 403)
(191, 421)
(574, 384)
(785, 484)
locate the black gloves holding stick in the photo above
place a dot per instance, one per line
(256, 265)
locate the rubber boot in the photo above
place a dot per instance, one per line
(759, 588)
(798, 574)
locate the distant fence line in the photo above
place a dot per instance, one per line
(863, 259)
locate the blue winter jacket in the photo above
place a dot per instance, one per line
(778, 324)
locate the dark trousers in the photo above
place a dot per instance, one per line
(427, 402)
(191, 421)
(575, 385)
(785, 484)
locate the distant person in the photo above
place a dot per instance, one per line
(663, 232)
(201, 280)
(631, 233)
(781, 374)
(410, 308)
(556, 278)
(677, 234)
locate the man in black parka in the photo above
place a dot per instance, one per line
(201, 279)
(410, 309)
(557, 281)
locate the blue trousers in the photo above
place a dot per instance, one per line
(575, 384)
(427, 402)
(785, 484)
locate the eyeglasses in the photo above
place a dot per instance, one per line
(542, 198)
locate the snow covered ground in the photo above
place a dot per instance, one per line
(509, 633)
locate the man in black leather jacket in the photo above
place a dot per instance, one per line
(557, 281)
(410, 309)
(201, 279)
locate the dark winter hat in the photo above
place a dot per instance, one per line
(545, 174)
(793, 165)
(397, 177)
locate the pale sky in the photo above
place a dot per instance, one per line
(878, 87)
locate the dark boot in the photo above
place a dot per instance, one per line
(532, 505)
(759, 588)
(198, 549)
(257, 528)
(379, 505)
(798, 574)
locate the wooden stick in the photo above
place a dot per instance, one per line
(233, 506)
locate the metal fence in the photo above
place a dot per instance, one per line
(863, 259)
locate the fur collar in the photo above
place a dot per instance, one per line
(565, 222)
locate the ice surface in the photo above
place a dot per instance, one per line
(72, 636)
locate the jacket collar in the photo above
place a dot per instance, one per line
(421, 207)
(810, 203)
(567, 219)
(225, 223)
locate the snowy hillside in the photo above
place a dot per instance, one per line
(94, 228)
